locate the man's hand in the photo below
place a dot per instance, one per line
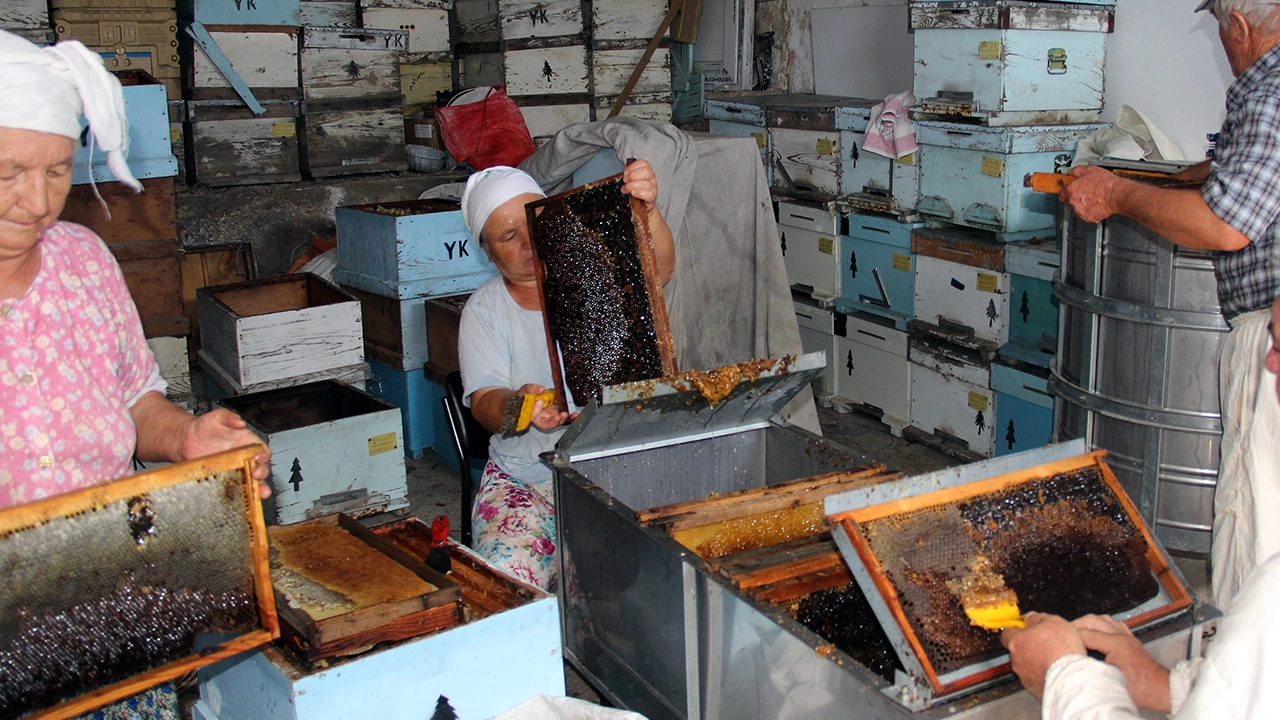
(1092, 195)
(640, 182)
(1146, 679)
(1032, 650)
(219, 430)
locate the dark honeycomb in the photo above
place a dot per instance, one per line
(1063, 544)
(843, 617)
(594, 293)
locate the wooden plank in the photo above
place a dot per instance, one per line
(419, 83)
(477, 21)
(626, 19)
(362, 68)
(960, 246)
(803, 585)
(546, 71)
(771, 555)
(610, 70)
(155, 284)
(149, 215)
(24, 13)
(780, 489)
(263, 59)
(354, 140)
(443, 317)
(776, 574)
(428, 27)
(329, 13)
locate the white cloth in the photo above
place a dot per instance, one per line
(488, 189)
(503, 345)
(1246, 524)
(553, 707)
(1236, 681)
(47, 89)
(889, 129)
(1132, 137)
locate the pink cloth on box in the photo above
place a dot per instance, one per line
(73, 360)
(890, 132)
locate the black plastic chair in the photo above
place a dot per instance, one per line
(470, 440)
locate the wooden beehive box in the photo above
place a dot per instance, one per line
(261, 331)
(426, 21)
(89, 573)
(347, 63)
(266, 58)
(230, 145)
(353, 136)
(415, 248)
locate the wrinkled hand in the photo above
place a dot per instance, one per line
(1033, 649)
(545, 417)
(1146, 679)
(1091, 196)
(220, 430)
(640, 182)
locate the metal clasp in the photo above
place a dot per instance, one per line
(1057, 61)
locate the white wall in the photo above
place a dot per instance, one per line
(1162, 59)
(1167, 62)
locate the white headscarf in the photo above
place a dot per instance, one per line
(46, 89)
(488, 189)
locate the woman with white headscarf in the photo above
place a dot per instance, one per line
(80, 392)
(502, 351)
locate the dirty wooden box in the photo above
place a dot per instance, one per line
(543, 121)
(962, 291)
(561, 70)
(260, 331)
(611, 69)
(333, 449)
(420, 80)
(329, 13)
(395, 331)
(353, 136)
(415, 248)
(229, 145)
(951, 397)
(615, 21)
(810, 238)
(143, 236)
(1011, 62)
(349, 63)
(265, 58)
(426, 22)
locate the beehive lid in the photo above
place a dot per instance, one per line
(657, 413)
(1054, 524)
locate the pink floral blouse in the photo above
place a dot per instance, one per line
(73, 360)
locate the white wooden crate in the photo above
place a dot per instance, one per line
(626, 19)
(956, 296)
(526, 19)
(274, 329)
(428, 28)
(871, 369)
(816, 334)
(546, 71)
(811, 248)
(348, 63)
(329, 13)
(610, 70)
(951, 396)
(333, 449)
(810, 157)
(264, 58)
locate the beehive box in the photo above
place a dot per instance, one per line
(262, 331)
(228, 12)
(416, 248)
(962, 293)
(817, 335)
(92, 572)
(353, 136)
(334, 449)
(444, 315)
(395, 331)
(266, 58)
(345, 63)
(1011, 63)
(420, 81)
(546, 71)
(408, 680)
(527, 19)
(611, 69)
(1033, 329)
(329, 13)
(418, 394)
(811, 251)
(1024, 408)
(230, 145)
(426, 22)
(654, 107)
(951, 397)
(879, 267)
(872, 374)
(146, 106)
(971, 175)
(621, 20)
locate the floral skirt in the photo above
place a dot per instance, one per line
(158, 703)
(514, 527)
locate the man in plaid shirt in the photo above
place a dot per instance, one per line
(1236, 213)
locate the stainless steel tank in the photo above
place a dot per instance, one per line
(1137, 367)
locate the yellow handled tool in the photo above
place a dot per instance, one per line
(1053, 183)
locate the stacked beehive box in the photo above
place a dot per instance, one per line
(426, 62)
(28, 18)
(620, 32)
(400, 259)
(130, 34)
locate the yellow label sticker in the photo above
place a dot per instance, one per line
(379, 444)
(902, 262)
(761, 139)
(826, 146)
(989, 50)
(988, 282)
(175, 134)
(284, 129)
(993, 167)
(978, 401)
(907, 159)
(826, 245)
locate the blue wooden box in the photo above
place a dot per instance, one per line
(1033, 310)
(972, 175)
(410, 249)
(862, 174)
(421, 412)
(1011, 62)
(1024, 408)
(150, 143)
(491, 663)
(759, 133)
(879, 268)
(241, 12)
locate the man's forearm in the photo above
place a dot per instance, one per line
(1180, 215)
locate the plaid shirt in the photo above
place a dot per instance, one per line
(1244, 188)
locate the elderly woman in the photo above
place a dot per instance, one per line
(80, 392)
(502, 351)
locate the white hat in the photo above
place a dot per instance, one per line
(489, 189)
(47, 89)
